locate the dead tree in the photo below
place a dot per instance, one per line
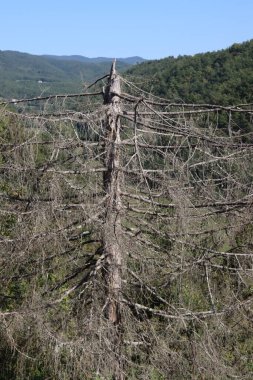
(112, 223)
(126, 224)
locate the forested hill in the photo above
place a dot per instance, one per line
(25, 75)
(222, 77)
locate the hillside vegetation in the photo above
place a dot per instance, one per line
(221, 77)
(25, 75)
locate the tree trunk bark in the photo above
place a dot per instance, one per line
(112, 223)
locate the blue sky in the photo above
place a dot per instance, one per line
(151, 29)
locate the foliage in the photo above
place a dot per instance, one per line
(224, 77)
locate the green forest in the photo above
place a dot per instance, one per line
(26, 75)
(126, 218)
(223, 77)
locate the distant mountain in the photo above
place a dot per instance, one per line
(220, 77)
(80, 58)
(25, 75)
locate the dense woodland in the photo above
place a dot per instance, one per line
(223, 77)
(126, 226)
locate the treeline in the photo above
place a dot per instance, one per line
(222, 77)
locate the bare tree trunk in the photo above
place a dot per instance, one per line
(112, 223)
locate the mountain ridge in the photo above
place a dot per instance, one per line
(24, 75)
(80, 58)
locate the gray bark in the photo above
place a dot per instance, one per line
(112, 222)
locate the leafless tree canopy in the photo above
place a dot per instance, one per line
(126, 237)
